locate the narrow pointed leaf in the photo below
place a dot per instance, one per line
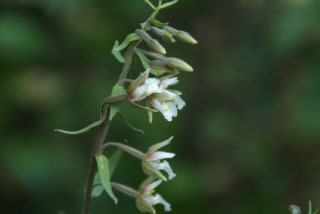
(117, 89)
(97, 190)
(113, 163)
(116, 52)
(125, 120)
(81, 131)
(145, 63)
(159, 24)
(114, 160)
(150, 4)
(310, 208)
(130, 38)
(103, 168)
(168, 4)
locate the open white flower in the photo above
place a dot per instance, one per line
(152, 164)
(146, 199)
(168, 102)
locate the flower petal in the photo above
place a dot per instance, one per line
(148, 189)
(180, 102)
(166, 167)
(159, 155)
(157, 199)
(160, 145)
(167, 82)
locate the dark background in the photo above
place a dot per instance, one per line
(247, 142)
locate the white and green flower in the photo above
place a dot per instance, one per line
(153, 161)
(147, 199)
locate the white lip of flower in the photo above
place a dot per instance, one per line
(152, 163)
(146, 197)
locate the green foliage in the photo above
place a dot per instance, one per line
(168, 4)
(113, 163)
(125, 120)
(81, 131)
(104, 173)
(310, 209)
(145, 62)
(116, 90)
(117, 48)
(159, 24)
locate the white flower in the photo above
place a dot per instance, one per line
(146, 199)
(167, 102)
(150, 86)
(152, 164)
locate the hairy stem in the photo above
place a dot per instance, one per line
(104, 127)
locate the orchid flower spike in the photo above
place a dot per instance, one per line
(152, 164)
(146, 199)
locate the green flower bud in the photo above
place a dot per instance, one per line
(157, 47)
(152, 43)
(182, 35)
(179, 64)
(186, 37)
(165, 35)
(161, 67)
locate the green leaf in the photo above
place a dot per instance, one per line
(124, 118)
(168, 4)
(130, 38)
(113, 162)
(97, 190)
(116, 52)
(117, 48)
(81, 131)
(159, 24)
(103, 168)
(150, 4)
(310, 208)
(117, 89)
(145, 62)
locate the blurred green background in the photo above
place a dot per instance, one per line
(247, 142)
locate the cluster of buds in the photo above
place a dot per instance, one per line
(155, 90)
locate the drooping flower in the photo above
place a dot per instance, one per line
(152, 160)
(146, 199)
(152, 164)
(168, 102)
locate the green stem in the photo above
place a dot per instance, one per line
(129, 54)
(104, 127)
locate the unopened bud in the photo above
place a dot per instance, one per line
(161, 67)
(182, 35)
(186, 37)
(179, 64)
(157, 47)
(152, 43)
(165, 35)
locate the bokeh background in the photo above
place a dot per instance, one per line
(247, 142)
